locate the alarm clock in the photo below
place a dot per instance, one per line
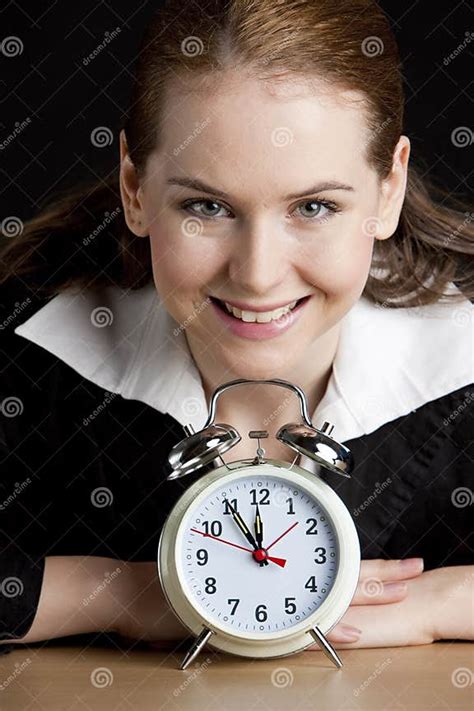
(259, 557)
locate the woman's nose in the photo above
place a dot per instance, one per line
(260, 259)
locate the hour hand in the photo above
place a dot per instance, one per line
(258, 526)
(240, 523)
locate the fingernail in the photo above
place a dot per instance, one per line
(350, 633)
(413, 563)
(395, 587)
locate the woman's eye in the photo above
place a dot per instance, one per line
(192, 203)
(320, 209)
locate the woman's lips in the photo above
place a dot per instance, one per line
(259, 331)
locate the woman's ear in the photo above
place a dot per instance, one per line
(393, 189)
(131, 192)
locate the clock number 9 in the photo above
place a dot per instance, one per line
(202, 556)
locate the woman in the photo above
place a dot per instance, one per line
(262, 163)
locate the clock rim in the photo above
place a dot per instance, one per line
(279, 643)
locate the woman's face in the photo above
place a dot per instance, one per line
(247, 237)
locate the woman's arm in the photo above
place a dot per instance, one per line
(438, 605)
(75, 597)
(82, 594)
(454, 602)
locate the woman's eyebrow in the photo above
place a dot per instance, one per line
(196, 184)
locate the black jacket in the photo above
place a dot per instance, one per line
(410, 493)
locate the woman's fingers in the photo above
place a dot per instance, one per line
(342, 633)
(375, 592)
(390, 570)
(384, 581)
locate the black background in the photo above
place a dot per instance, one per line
(66, 100)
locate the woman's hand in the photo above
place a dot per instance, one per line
(396, 604)
(144, 612)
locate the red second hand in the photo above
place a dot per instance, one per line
(283, 534)
(279, 561)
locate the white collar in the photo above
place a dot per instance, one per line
(388, 363)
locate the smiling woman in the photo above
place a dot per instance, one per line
(288, 237)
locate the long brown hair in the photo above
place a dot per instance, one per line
(82, 239)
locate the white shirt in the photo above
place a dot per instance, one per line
(388, 363)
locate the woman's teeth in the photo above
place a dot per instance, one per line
(259, 316)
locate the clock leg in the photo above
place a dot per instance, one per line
(326, 646)
(197, 645)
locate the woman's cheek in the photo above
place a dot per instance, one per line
(174, 264)
(339, 266)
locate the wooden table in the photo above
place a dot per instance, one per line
(70, 676)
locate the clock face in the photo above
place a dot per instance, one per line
(257, 555)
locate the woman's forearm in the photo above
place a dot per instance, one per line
(454, 608)
(79, 594)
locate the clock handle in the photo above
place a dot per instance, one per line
(196, 647)
(326, 646)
